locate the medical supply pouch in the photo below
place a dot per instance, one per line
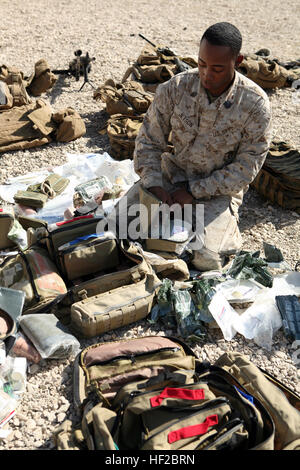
(31, 198)
(36, 195)
(6, 222)
(32, 272)
(152, 393)
(132, 268)
(90, 190)
(114, 308)
(59, 233)
(87, 255)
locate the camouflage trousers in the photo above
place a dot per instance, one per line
(218, 234)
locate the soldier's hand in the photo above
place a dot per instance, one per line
(182, 197)
(161, 194)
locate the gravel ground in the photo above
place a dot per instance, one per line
(109, 31)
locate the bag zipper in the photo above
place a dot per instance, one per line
(81, 245)
(234, 424)
(133, 356)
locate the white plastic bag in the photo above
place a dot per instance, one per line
(226, 317)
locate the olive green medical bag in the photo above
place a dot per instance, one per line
(152, 393)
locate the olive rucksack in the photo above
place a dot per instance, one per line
(279, 178)
(267, 73)
(124, 98)
(152, 393)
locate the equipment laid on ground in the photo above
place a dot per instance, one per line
(152, 393)
(80, 66)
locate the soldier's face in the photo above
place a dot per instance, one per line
(216, 65)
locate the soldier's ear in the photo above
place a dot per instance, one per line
(239, 59)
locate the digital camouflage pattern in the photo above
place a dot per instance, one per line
(219, 147)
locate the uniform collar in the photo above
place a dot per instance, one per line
(226, 99)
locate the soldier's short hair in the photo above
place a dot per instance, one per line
(224, 34)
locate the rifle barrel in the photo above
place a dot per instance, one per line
(152, 44)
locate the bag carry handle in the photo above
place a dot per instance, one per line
(183, 393)
(194, 430)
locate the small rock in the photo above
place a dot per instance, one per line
(18, 434)
(30, 423)
(280, 354)
(61, 417)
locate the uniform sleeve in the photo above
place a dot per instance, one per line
(152, 139)
(250, 156)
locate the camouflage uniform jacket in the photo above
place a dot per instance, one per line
(218, 148)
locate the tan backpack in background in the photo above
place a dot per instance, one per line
(16, 84)
(127, 98)
(41, 80)
(266, 73)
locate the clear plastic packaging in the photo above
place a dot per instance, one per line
(8, 407)
(50, 337)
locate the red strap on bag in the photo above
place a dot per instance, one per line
(184, 393)
(64, 222)
(191, 431)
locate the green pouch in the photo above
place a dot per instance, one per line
(96, 253)
(30, 198)
(52, 186)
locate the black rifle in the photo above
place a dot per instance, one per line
(182, 66)
(80, 66)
